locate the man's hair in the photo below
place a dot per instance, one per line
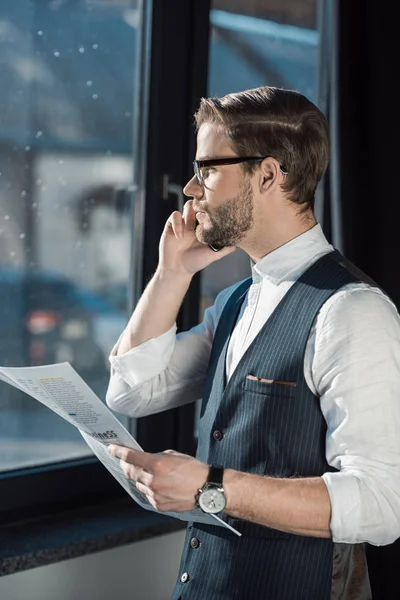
(276, 122)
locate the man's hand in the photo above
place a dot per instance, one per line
(180, 251)
(170, 480)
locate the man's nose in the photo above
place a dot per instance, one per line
(192, 188)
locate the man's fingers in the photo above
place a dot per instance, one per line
(137, 458)
(129, 471)
(189, 215)
(144, 489)
(174, 452)
(176, 224)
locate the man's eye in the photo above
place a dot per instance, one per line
(206, 172)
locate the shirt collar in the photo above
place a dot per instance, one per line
(289, 261)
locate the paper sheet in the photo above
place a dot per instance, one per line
(60, 388)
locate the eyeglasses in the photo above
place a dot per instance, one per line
(199, 165)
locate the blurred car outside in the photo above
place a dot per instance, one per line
(46, 318)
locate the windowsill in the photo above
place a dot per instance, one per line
(43, 541)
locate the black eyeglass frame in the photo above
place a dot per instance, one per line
(215, 162)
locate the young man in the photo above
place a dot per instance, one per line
(298, 368)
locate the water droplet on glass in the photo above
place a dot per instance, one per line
(12, 253)
(6, 217)
(56, 54)
(39, 134)
(95, 96)
(34, 204)
(23, 193)
(81, 49)
(89, 83)
(40, 32)
(27, 148)
(22, 236)
(95, 46)
(61, 162)
(38, 181)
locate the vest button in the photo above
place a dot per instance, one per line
(194, 542)
(218, 435)
(184, 577)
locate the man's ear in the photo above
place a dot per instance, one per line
(270, 174)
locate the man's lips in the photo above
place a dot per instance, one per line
(199, 210)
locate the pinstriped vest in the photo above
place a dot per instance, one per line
(272, 429)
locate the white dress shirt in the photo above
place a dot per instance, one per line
(352, 363)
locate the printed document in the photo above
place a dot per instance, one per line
(60, 388)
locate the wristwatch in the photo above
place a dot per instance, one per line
(211, 497)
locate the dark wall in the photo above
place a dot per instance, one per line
(369, 151)
(369, 139)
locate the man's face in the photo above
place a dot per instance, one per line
(224, 205)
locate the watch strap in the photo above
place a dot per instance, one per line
(215, 475)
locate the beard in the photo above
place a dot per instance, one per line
(230, 221)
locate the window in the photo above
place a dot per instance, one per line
(256, 43)
(95, 140)
(66, 139)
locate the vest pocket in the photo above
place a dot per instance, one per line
(278, 389)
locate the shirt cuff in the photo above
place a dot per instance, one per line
(145, 361)
(344, 494)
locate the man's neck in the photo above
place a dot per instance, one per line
(264, 244)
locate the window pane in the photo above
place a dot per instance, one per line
(67, 71)
(255, 43)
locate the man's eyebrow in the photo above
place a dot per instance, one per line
(208, 157)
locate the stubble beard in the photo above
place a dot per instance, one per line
(230, 221)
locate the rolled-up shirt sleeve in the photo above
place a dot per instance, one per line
(146, 360)
(166, 371)
(356, 371)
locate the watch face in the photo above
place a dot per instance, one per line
(212, 501)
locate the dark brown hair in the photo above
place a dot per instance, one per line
(276, 122)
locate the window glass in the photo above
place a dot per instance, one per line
(68, 84)
(255, 43)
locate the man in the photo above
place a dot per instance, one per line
(298, 367)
